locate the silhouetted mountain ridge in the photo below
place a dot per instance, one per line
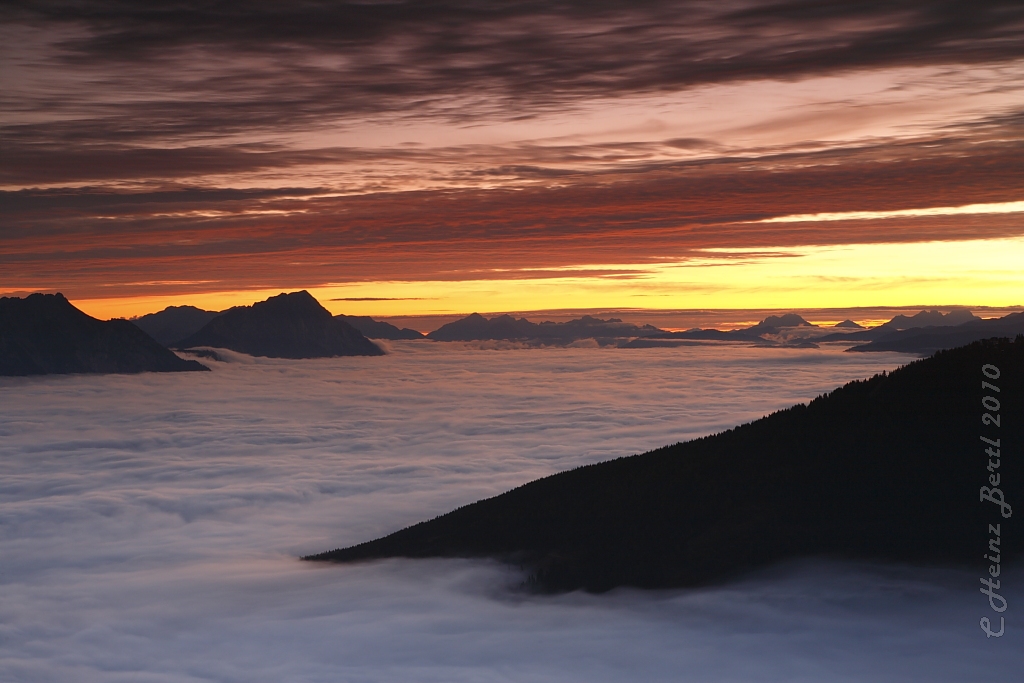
(378, 329)
(476, 327)
(292, 325)
(174, 323)
(667, 338)
(931, 339)
(45, 334)
(904, 322)
(772, 325)
(888, 468)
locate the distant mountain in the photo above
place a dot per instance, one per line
(376, 329)
(889, 468)
(849, 324)
(926, 340)
(669, 339)
(45, 334)
(174, 323)
(957, 316)
(903, 322)
(476, 327)
(291, 325)
(773, 324)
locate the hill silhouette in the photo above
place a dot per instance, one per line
(476, 327)
(930, 339)
(901, 322)
(889, 468)
(291, 325)
(696, 335)
(378, 329)
(772, 325)
(174, 323)
(45, 334)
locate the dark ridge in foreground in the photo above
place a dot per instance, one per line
(890, 468)
(45, 334)
(174, 323)
(291, 325)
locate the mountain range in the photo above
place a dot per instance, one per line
(292, 325)
(922, 333)
(174, 323)
(476, 327)
(904, 322)
(932, 338)
(378, 329)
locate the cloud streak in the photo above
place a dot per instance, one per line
(88, 241)
(461, 58)
(969, 209)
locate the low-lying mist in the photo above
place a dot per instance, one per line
(150, 525)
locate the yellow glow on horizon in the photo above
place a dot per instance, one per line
(976, 272)
(1001, 207)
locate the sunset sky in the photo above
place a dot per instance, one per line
(442, 157)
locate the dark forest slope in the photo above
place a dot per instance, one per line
(888, 468)
(45, 334)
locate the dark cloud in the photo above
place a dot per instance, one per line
(28, 164)
(236, 66)
(100, 197)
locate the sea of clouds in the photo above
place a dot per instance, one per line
(150, 527)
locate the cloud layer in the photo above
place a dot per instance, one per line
(170, 148)
(150, 526)
(94, 242)
(465, 58)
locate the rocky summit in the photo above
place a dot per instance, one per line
(45, 334)
(292, 325)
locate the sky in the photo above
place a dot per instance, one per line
(443, 157)
(151, 524)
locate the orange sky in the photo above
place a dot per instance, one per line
(518, 157)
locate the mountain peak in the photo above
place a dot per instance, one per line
(475, 327)
(288, 325)
(784, 320)
(934, 318)
(46, 334)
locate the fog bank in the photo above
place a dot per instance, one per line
(150, 524)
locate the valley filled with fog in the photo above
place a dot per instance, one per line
(150, 526)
